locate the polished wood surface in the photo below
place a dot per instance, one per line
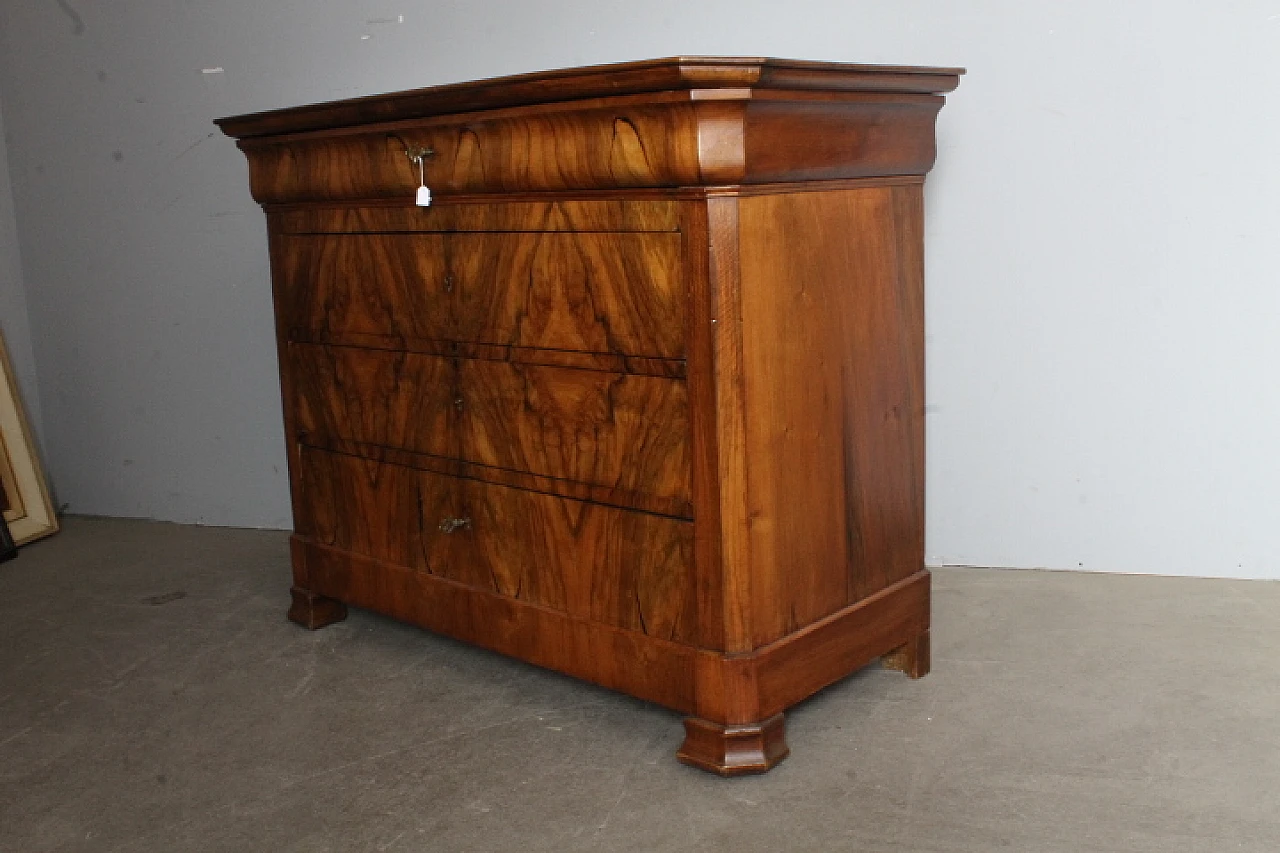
(642, 665)
(618, 293)
(628, 78)
(608, 429)
(580, 292)
(665, 123)
(585, 213)
(624, 568)
(800, 664)
(734, 750)
(738, 137)
(834, 377)
(728, 691)
(640, 397)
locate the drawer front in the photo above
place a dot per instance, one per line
(626, 433)
(628, 569)
(600, 292)
(565, 147)
(347, 288)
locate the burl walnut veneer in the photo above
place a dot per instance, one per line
(639, 397)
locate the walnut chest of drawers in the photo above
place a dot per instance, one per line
(639, 397)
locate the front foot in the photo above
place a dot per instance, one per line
(912, 657)
(733, 750)
(315, 611)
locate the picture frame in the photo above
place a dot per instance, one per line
(25, 503)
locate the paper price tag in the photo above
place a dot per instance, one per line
(424, 192)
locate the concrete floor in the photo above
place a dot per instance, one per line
(152, 697)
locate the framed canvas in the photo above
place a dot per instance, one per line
(24, 492)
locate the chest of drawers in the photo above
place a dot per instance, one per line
(639, 397)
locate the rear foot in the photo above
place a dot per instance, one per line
(911, 657)
(315, 611)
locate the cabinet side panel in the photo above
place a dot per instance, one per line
(832, 318)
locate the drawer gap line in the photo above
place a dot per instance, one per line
(465, 464)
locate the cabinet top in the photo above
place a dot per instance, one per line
(627, 78)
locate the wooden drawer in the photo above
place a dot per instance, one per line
(628, 569)
(566, 147)
(626, 433)
(587, 292)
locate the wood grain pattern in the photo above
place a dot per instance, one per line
(398, 400)
(605, 495)
(722, 151)
(795, 667)
(371, 286)
(725, 291)
(622, 146)
(480, 213)
(604, 293)
(618, 293)
(674, 675)
(608, 429)
(833, 343)
(623, 568)
(893, 137)
(704, 447)
(636, 663)
(609, 362)
(736, 137)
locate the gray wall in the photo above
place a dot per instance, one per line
(1102, 307)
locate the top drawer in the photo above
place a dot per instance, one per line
(552, 147)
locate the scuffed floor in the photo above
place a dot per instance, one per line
(153, 697)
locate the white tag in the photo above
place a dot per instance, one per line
(424, 193)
